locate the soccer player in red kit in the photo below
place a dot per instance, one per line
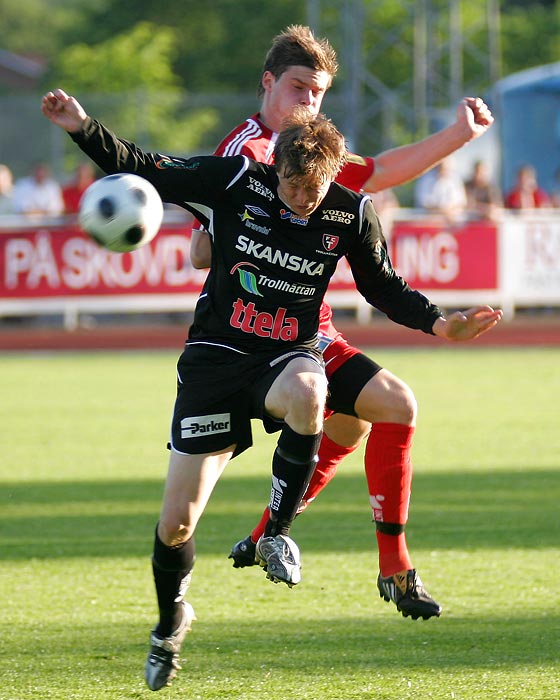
(365, 399)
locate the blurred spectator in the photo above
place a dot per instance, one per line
(444, 193)
(6, 190)
(484, 199)
(73, 191)
(385, 203)
(526, 193)
(39, 193)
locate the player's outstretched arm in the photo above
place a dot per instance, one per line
(466, 325)
(399, 165)
(63, 110)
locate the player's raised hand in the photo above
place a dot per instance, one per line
(466, 325)
(63, 110)
(475, 115)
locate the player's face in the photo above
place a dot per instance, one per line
(302, 195)
(297, 86)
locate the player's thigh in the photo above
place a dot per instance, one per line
(386, 398)
(346, 430)
(189, 484)
(301, 383)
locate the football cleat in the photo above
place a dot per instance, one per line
(405, 589)
(279, 557)
(163, 660)
(243, 553)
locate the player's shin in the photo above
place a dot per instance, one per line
(389, 475)
(172, 567)
(293, 464)
(329, 457)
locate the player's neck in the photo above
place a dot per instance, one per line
(268, 119)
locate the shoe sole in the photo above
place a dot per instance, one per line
(271, 577)
(409, 613)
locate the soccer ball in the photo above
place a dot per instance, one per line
(121, 212)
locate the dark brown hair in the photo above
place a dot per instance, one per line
(310, 147)
(297, 46)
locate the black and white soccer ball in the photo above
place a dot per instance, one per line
(121, 212)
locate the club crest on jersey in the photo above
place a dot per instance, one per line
(287, 215)
(330, 241)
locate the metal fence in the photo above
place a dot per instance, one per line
(177, 123)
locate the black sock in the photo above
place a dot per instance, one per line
(172, 568)
(293, 463)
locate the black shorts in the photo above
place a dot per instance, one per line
(347, 382)
(219, 391)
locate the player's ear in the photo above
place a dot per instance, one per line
(267, 81)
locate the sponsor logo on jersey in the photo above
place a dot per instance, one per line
(330, 241)
(247, 279)
(246, 216)
(248, 221)
(341, 217)
(279, 257)
(259, 188)
(199, 426)
(246, 318)
(285, 214)
(167, 162)
(256, 210)
(251, 282)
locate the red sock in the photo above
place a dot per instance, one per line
(330, 455)
(389, 476)
(259, 529)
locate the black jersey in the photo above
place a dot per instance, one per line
(270, 268)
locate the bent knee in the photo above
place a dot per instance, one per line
(172, 531)
(387, 398)
(406, 406)
(307, 398)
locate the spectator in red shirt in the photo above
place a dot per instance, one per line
(73, 191)
(527, 194)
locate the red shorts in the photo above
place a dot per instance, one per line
(335, 348)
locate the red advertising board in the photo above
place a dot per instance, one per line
(434, 256)
(49, 262)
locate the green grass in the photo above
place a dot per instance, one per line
(82, 464)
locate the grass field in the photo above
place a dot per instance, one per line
(82, 464)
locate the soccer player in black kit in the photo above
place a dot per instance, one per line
(277, 233)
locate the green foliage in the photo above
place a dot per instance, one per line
(35, 27)
(137, 66)
(222, 42)
(140, 58)
(163, 52)
(529, 37)
(81, 477)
